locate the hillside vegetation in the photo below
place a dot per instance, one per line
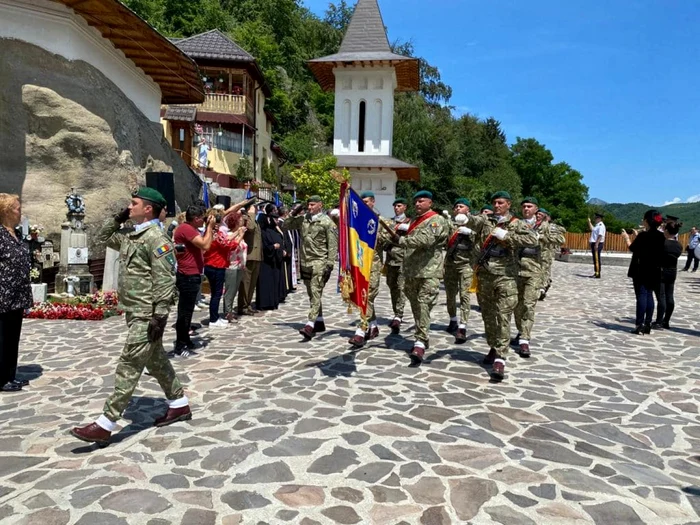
(459, 156)
(688, 213)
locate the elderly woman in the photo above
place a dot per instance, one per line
(15, 291)
(645, 269)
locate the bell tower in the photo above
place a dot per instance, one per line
(364, 75)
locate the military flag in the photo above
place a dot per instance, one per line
(357, 241)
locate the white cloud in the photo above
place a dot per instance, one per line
(678, 200)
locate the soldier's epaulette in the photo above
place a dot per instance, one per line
(163, 250)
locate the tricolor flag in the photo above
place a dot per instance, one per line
(358, 238)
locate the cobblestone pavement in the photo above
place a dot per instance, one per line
(599, 426)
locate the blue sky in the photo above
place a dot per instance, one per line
(612, 88)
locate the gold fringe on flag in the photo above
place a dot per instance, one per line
(346, 289)
(474, 288)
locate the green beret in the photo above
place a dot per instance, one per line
(151, 195)
(487, 207)
(400, 200)
(423, 194)
(530, 200)
(314, 198)
(367, 195)
(542, 210)
(501, 195)
(464, 201)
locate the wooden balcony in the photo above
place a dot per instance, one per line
(224, 103)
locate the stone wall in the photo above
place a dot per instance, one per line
(64, 125)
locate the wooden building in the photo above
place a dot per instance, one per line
(232, 117)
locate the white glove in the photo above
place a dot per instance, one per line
(460, 219)
(499, 233)
(446, 213)
(403, 227)
(464, 230)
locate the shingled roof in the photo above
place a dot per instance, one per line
(214, 45)
(366, 43)
(403, 170)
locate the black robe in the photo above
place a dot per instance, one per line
(270, 281)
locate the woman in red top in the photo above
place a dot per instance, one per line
(216, 260)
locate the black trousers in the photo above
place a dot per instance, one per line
(188, 288)
(691, 259)
(596, 257)
(666, 300)
(10, 330)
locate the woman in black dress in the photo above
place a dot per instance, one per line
(645, 269)
(669, 264)
(270, 280)
(15, 291)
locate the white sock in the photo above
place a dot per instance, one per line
(419, 344)
(360, 332)
(319, 319)
(373, 324)
(105, 423)
(524, 341)
(499, 360)
(453, 319)
(178, 403)
(310, 323)
(399, 319)
(462, 326)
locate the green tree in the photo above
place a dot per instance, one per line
(317, 178)
(244, 169)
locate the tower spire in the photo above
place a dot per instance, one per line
(366, 31)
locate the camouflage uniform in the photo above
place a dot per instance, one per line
(557, 237)
(498, 291)
(375, 274)
(319, 248)
(393, 262)
(529, 279)
(146, 288)
(423, 269)
(459, 263)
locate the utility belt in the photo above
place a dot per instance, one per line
(530, 252)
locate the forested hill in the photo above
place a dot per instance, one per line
(688, 213)
(459, 156)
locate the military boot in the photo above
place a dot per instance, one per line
(173, 415)
(92, 433)
(319, 326)
(372, 333)
(524, 350)
(452, 327)
(395, 326)
(417, 356)
(357, 341)
(498, 373)
(516, 340)
(307, 332)
(461, 336)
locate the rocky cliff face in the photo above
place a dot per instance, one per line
(64, 125)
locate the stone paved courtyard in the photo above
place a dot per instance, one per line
(600, 426)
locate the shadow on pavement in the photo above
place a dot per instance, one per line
(29, 372)
(337, 366)
(612, 326)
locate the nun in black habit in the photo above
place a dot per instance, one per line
(270, 281)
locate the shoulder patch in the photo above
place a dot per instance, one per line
(163, 250)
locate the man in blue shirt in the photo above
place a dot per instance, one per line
(693, 242)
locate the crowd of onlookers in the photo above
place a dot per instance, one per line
(243, 252)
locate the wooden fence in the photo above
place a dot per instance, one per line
(613, 242)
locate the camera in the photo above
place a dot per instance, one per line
(180, 248)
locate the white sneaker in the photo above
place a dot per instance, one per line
(202, 305)
(197, 308)
(220, 323)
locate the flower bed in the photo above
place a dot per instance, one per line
(96, 307)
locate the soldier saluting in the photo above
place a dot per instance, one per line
(500, 236)
(146, 294)
(423, 240)
(319, 248)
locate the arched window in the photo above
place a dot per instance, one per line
(361, 129)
